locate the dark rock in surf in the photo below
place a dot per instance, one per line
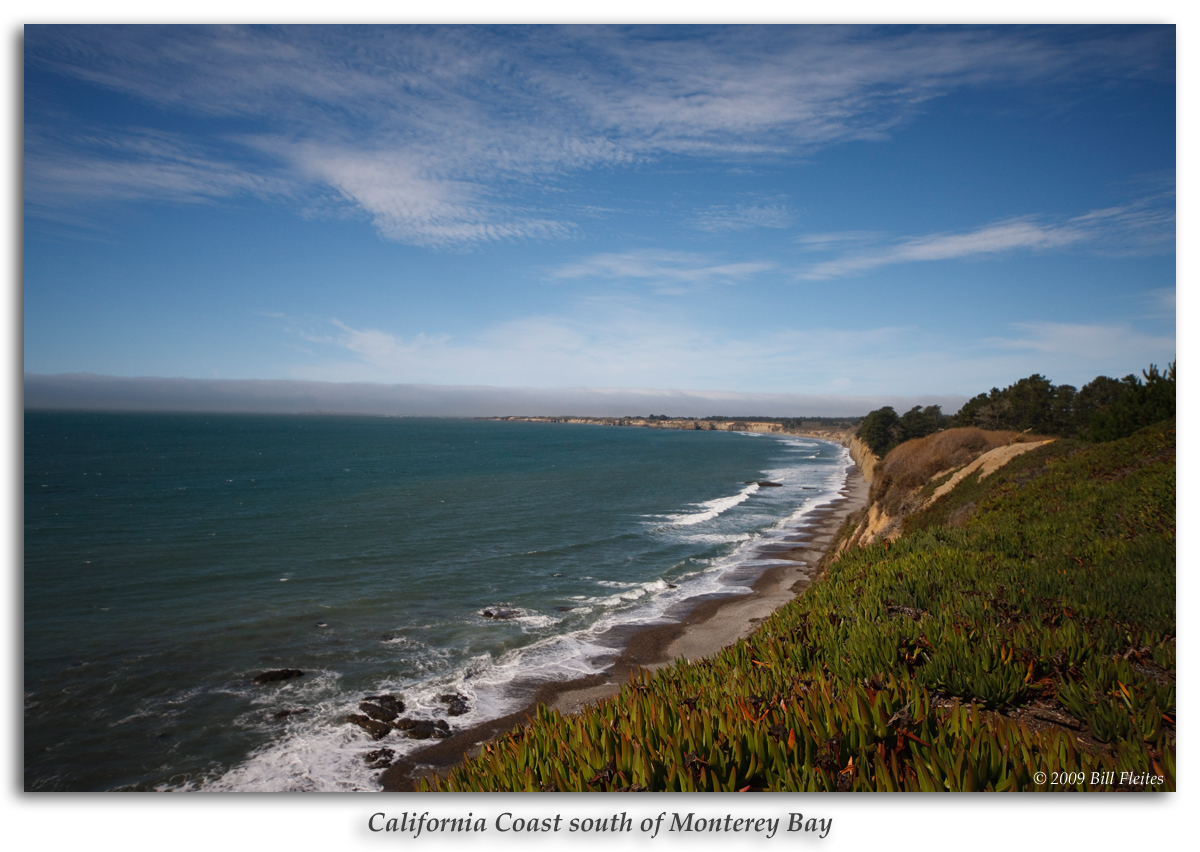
(456, 704)
(379, 714)
(424, 729)
(283, 714)
(378, 730)
(500, 614)
(389, 702)
(380, 758)
(277, 674)
(766, 483)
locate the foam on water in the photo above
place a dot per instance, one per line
(318, 752)
(712, 508)
(386, 572)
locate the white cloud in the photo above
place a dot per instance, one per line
(432, 131)
(409, 204)
(668, 272)
(1003, 236)
(818, 242)
(1099, 343)
(140, 165)
(1146, 225)
(1161, 302)
(627, 343)
(601, 342)
(741, 217)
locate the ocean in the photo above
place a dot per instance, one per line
(170, 558)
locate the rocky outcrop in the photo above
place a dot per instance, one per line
(378, 713)
(283, 714)
(423, 729)
(500, 614)
(375, 728)
(380, 758)
(391, 702)
(276, 675)
(381, 715)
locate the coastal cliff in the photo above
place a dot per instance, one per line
(1018, 636)
(920, 472)
(862, 455)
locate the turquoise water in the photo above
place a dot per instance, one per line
(170, 558)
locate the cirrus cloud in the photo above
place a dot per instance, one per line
(442, 135)
(1144, 226)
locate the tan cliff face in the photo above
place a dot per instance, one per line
(862, 455)
(899, 496)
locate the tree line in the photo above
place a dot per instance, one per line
(1104, 409)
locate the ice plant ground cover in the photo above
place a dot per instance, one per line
(1019, 636)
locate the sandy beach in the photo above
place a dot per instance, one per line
(706, 626)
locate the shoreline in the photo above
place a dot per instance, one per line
(704, 626)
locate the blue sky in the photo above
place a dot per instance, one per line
(782, 210)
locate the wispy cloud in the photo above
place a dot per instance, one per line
(1088, 342)
(627, 342)
(138, 165)
(667, 272)
(1160, 302)
(741, 217)
(1147, 225)
(407, 203)
(818, 242)
(1003, 236)
(433, 132)
(601, 343)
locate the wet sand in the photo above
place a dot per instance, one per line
(706, 626)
